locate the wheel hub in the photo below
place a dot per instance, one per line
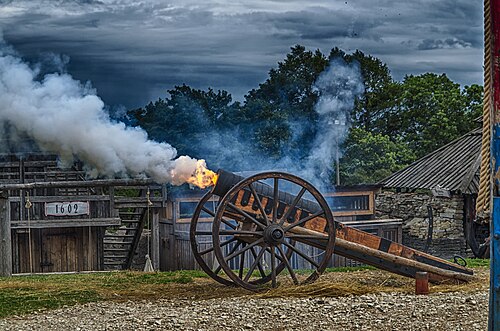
(274, 234)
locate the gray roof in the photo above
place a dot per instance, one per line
(454, 167)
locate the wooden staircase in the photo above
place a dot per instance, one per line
(121, 242)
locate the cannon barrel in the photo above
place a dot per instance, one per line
(226, 180)
(350, 242)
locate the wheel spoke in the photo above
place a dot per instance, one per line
(269, 251)
(208, 211)
(273, 267)
(230, 252)
(242, 232)
(203, 233)
(304, 220)
(261, 270)
(228, 223)
(290, 269)
(247, 215)
(243, 250)
(218, 269)
(259, 203)
(224, 243)
(306, 236)
(275, 201)
(255, 263)
(304, 256)
(292, 206)
(211, 213)
(242, 262)
(208, 250)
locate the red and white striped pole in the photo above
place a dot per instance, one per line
(492, 98)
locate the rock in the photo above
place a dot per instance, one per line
(384, 311)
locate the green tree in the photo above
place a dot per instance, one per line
(285, 99)
(433, 111)
(369, 157)
(473, 95)
(186, 118)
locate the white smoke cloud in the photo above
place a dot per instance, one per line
(338, 87)
(66, 117)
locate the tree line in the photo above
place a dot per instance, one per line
(393, 123)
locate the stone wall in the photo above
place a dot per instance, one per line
(448, 237)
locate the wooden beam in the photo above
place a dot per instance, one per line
(5, 236)
(470, 174)
(61, 198)
(155, 239)
(398, 260)
(143, 200)
(135, 204)
(66, 223)
(77, 183)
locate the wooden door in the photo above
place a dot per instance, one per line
(60, 250)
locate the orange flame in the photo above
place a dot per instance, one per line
(202, 176)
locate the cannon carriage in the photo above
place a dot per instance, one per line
(276, 223)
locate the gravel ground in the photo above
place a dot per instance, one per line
(381, 311)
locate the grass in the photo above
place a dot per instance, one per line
(18, 301)
(26, 294)
(474, 263)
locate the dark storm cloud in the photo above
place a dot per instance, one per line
(313, 24)
(134, 51)
(447, 43)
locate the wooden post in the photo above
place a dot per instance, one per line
(421, 282)
(5, 236)
(155, 239)
(113, 211)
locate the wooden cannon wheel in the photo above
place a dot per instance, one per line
(200, 234)
(268, 229)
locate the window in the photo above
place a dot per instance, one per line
(348, 203)
(187, 208)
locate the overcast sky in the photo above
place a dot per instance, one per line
(133, 51)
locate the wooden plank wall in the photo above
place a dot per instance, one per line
(176, 253)
(57, 249)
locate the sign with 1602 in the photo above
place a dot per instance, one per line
(68, 208)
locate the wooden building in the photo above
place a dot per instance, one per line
(56, 220)
(436, 197)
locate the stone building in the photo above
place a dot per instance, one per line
(435, 197)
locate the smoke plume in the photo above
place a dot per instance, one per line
(312, 148)
(338, 87)
(66, 117)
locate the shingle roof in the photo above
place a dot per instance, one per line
(454, 167)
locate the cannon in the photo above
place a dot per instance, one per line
(274, 222)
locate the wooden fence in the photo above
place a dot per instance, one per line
(176, 253)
